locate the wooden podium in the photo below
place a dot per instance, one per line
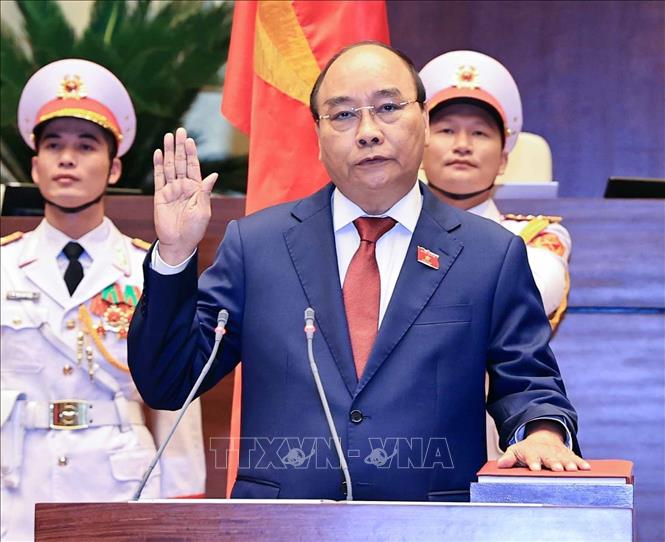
(276, 521)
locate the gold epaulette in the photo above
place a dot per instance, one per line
(10, 238)
(533, 228)
(522, 218)
(140, 243)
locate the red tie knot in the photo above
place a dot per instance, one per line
(371, 229)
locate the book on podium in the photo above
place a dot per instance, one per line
(609, 483)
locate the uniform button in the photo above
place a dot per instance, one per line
(67, 370)
(62, 461)
(70, 324)
(356, 416)
(16, 321)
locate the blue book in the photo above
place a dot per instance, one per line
(609, 483)
(607, 495)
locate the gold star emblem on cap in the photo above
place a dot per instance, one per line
(466, 77)
(72, 86)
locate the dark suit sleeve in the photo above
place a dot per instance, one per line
(172, 331)
(525, 382)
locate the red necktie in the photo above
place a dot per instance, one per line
(362, 289)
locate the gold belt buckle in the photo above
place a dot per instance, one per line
(69, 414)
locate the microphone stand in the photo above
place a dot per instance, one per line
(309, 333)
(220, 330)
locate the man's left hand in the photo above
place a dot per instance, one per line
(543, 447)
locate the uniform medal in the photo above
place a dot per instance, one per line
(115, 305)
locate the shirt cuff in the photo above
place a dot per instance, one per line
(519, 434)
(163, 268)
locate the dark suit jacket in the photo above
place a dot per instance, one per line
(419, 429)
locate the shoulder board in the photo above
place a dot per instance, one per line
(140, 243)
(10, 238)
(533, 228)
(524, 218)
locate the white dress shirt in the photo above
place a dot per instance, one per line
(391, 248)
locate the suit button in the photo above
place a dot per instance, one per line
(63, 461)
(356, 416)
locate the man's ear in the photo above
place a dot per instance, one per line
(33, 171)
(427, 133)
(115, 171)
(318, 137)
(504, 163)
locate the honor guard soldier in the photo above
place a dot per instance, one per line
(475, 117)
(475, 114)
(73, 426)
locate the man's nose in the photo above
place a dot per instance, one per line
(67, 157)
(369, 132)
(462, 142)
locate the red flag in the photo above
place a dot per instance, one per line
(277, 51)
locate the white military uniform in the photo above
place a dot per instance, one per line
(548, 265)
(49, 355)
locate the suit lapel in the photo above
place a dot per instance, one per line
(417, 282)
(311, 245)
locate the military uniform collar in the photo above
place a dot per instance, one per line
(105, 245)
(47, 242)
(92, 242)
(487, 209)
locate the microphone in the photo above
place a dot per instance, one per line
(220, 330)
(309, 333)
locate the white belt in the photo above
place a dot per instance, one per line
(78, 414)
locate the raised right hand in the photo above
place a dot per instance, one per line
(182, 199)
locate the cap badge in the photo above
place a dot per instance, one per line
(466, 77)
(72, 86)
(428, 258)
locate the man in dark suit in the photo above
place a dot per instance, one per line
(414, 301)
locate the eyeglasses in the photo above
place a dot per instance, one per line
(347, 119)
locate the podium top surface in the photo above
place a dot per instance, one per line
(327, 521)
